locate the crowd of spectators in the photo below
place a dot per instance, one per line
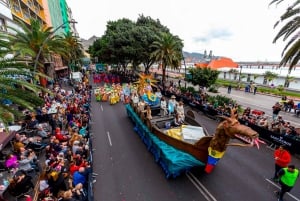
(54, 142)
(275, 124)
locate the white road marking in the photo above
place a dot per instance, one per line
(277, 186)
(101, 108)
(109, 140)
(208, 196)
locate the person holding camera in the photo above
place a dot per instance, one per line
(276, 109)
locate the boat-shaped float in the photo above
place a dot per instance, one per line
(188, 146)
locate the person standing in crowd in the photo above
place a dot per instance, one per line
(229, 89)
(158, 94)
(288, 177)
(148, 112)
(255, 89)
(180, 110)
(172, 105)
(282, 158)
(163, 107)
(135, 99)
(276, 109)
(141, 105)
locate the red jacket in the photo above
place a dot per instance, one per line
(284, 157)
(61, 137)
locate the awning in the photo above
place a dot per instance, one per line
(60, 68)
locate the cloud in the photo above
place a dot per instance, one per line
(214, 34)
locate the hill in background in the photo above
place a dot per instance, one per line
(193, 57)
(87, 43)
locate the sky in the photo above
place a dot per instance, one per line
(240, 30)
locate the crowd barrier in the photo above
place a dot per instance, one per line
(90, 189)
(291, 143)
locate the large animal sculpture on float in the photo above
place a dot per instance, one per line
(228, 129)
(144, 88)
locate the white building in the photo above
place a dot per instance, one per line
(255, 72)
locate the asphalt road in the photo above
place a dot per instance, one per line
(128, 172)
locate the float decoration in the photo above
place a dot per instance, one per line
(144, 88)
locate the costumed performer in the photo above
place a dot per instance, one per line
(172, 105)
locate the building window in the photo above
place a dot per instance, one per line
(30, 3)
(224, 75)
(37, 9)
(26, 15)
(16, 8)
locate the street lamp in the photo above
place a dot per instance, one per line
(46, 39)
(184, 71)
(240, 73)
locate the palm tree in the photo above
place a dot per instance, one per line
(75, 48)
(168, 51)
(16, 88)
(29, 41)
(290, 53)
(269, 76)
(4, 45)
(255, 76)
(288, 80)
(233, 71)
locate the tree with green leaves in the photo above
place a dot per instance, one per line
(16, 85)
(168, 52)
(290, 30)
(4, 45)
(101, 50)
(204, 77)
(289, 79)
(120, 42)
(16, 88)
(234, 72)
(31, 40)
(255, 76)
(269, 76)
(75, 49)
(127, 42)
(150, 30)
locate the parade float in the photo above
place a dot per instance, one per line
(178, 149)
(145, 86)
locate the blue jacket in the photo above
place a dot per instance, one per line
(79, 178)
